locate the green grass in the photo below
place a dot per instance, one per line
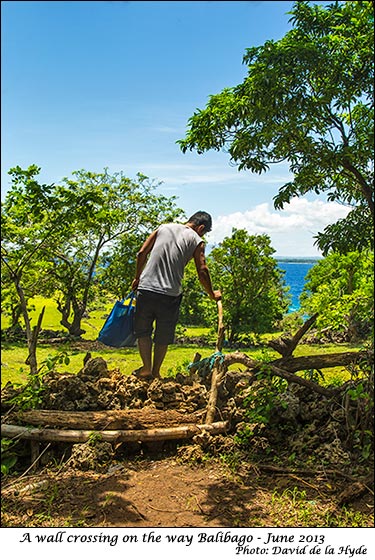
(127, 359)
(51, 319)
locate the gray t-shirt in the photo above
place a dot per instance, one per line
(173, 248)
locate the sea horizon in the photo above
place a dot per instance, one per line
(289, 258)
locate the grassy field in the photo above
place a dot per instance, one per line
(127, 359)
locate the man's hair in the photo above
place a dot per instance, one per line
(201, 218)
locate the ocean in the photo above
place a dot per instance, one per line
(295, 271)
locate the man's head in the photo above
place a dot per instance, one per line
(201, 222)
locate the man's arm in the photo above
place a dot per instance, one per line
(142, 257)
(203, 272)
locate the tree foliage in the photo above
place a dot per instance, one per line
(55, 235)
(307, 100)
(106, 210)
(254, 295)
(196, 308)
(28, 229)
(340, 288)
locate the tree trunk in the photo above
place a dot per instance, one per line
(16, 313)
(32, 343)
(73, 326)
(31, 334)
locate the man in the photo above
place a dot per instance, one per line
(159, 271)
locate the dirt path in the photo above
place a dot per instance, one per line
(165, 493)
(149, 493)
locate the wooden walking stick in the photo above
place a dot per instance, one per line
(218, 370)
(220, 328)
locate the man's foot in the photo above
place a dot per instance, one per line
(141, 374)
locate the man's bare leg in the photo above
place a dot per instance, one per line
(160, 351)
(145, 351)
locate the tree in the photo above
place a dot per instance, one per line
(116, 266)
(254, 296)
(104, 210)
(340, 288)
(28, 229)
(307, 100)
(196, 308)
(68, 226)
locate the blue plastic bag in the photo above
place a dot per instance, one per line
(118, 330)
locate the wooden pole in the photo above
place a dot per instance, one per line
(218, 370)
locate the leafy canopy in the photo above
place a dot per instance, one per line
(307, 100)
(340, 288)
(61, 232)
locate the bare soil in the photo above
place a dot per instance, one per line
(164, 492)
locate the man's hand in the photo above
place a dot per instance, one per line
(135, 284)
(217, 295)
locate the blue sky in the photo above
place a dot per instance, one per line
(88, 85)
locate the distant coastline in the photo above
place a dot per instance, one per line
(298, 260)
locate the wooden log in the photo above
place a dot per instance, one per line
(142, 418)
(319, 361)
(112, 436)
(299, 363)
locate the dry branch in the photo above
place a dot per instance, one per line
(220, 328)
(196, 359)
(286, 345)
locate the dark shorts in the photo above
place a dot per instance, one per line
(161, 309)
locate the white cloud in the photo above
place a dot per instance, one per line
(291, 230)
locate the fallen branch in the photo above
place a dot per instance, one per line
(319, 361)
(301, 381)
(282, 471)
(286, 367)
